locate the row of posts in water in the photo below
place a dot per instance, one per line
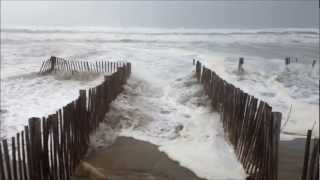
(287, 60)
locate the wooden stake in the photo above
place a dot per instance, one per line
(306, 155)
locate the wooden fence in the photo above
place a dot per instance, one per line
(56, 64)
(49, 148)
(251, 126)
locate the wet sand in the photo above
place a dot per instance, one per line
(291, 156)
(133, 159)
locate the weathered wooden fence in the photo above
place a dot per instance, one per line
(49, 148)
(251, 126)
(56, 64)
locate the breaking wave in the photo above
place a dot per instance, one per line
(157, 31)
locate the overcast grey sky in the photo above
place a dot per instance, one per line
(179, 14)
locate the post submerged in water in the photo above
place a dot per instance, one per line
(53, 61)
(241, 62)
(287, 61)
(314, 63)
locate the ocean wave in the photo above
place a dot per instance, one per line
(153, 31)
(84, 40)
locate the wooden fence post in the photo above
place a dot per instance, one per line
(313, 172)
(287, 60)
(314, 63)
(24, 159)
(276, 116)
(7, 159)
(14, 159)
(53, 63)
(240, 64)
(306, 155)
(35, 141)
(2, 175)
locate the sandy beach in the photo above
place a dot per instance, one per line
(291, 156)
(133, 159)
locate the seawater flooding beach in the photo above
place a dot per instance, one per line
(162, 102)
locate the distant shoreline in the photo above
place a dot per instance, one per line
(157, 31)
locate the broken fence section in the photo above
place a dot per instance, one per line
(50, 147)
(56, 64)
(251, 126)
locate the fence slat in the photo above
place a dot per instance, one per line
(7, 159)
(2, 172)
(29, 155)
(24, 159)
(306, 155)
(14, 159)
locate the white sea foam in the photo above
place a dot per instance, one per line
(162, 103)
(131, 30)
(177, 117)
(294, 87)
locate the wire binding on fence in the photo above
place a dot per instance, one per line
(251, 126)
